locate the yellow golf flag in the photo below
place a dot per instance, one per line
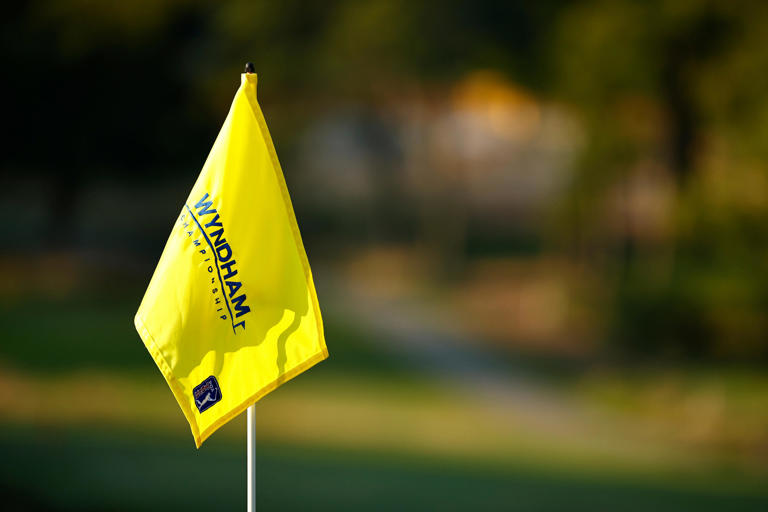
(231, 311)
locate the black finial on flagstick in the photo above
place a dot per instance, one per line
(249, 67)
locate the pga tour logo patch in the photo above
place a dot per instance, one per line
(207, 393)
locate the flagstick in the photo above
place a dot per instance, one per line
(251, 458)
(249, 68)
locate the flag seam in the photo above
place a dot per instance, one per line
(250, 93)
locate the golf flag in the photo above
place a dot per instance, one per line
(231, 311)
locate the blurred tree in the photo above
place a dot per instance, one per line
(650, 80)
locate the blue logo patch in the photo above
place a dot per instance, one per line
(207, 393)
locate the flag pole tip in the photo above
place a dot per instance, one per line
(249, 68)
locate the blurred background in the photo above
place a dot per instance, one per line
(539, 234)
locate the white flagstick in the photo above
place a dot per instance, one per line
(249, 68)
(251, 458)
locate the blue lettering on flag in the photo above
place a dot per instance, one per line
(223, 258)
(203, 205)
(239, 306)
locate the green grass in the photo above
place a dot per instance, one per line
(62, 335)
(96, 464)
(76, 470)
